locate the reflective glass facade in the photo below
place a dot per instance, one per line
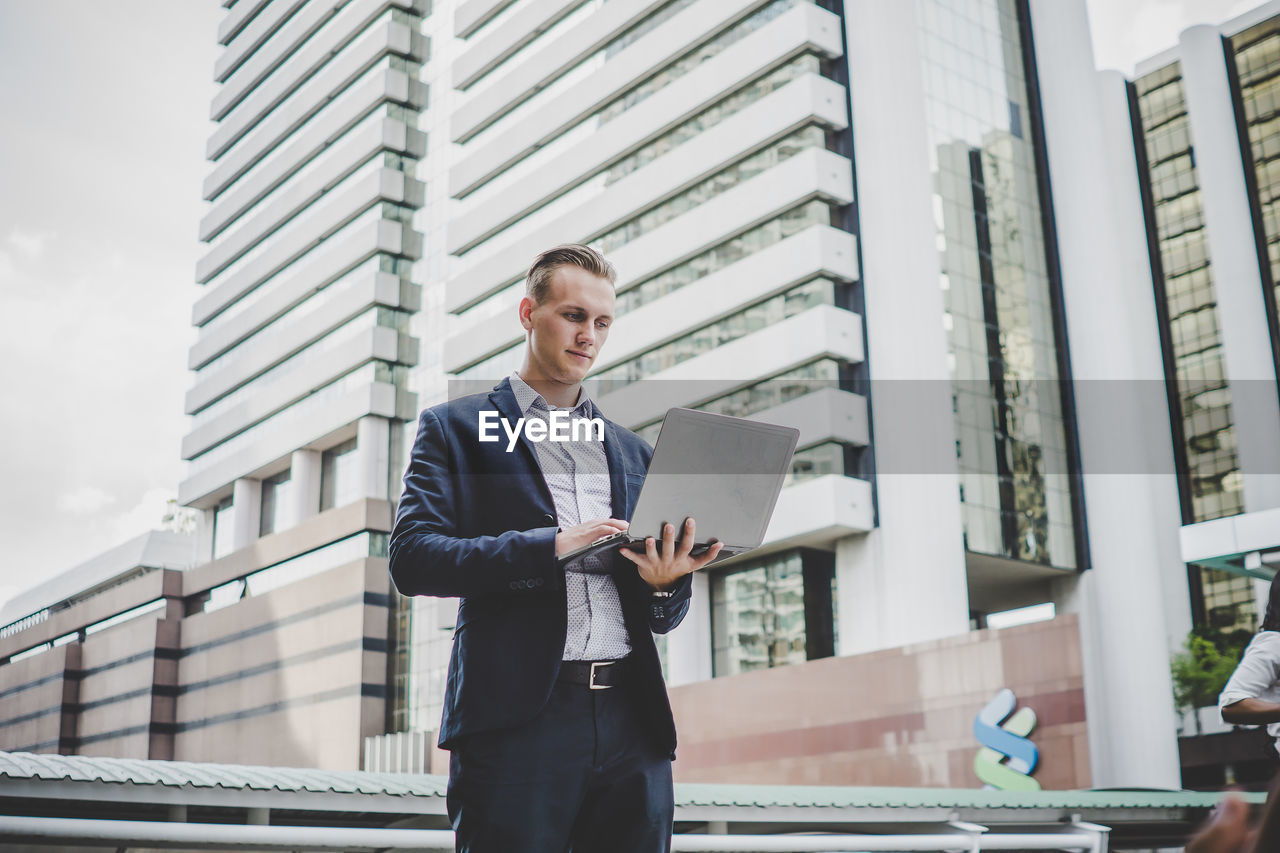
(1256, 55)
(1213, 484)
(773, 612)
(1012, 438)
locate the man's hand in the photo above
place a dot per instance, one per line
(584, 534)
(1227, 831)
(661, 567)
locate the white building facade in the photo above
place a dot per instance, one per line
(300, 387)
(929, 234)
(1207, 115)
(882, 223)
(300, 364)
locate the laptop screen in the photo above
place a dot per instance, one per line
(725, 472)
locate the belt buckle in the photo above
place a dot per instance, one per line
(591, 682)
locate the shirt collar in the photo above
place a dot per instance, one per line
(527, 398)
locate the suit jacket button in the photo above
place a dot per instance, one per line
(514, 585)
(537, 582)
(549, 518)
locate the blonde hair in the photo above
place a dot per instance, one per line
(537, 282)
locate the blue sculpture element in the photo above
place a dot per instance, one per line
(1007, 741)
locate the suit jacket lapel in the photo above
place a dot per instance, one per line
(617, 472)
(504, 400)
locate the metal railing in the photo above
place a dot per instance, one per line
(962, 838)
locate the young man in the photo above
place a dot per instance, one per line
(555, 711)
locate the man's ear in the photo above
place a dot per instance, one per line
(526, 308)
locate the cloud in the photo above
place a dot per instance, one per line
(8, 591)
(30, 243)
(146, 515)
(85, 500)
(1125, 33)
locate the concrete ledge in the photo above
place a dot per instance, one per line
(692, 26)
(158, 583)
(471, 15)
(315, 532)
(809, 99)
(810, 174)
(756, 54)
(304, 425)
(504, 40)
(820, 332)
(819, 250)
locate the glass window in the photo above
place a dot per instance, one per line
(597, 183)
(149, 607)
(723, 181)
(276, 495)
(773, 612)
(339, 484)
(814, 376)
(699, 341)
(513, 118)
(647, 290)
(997, 293)
(294, 569)
(816, 461)
(223, 529)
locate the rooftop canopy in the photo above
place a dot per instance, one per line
(62, 786)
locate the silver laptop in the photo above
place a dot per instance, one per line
(724, 472)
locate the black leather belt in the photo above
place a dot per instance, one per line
(597, 675)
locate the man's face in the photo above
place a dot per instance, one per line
(567, 331)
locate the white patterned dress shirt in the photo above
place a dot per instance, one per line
(577, 473)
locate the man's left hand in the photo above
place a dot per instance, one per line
(662, 565)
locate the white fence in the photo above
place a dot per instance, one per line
(962, 838)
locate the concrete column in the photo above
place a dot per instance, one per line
(373, 443)
(1233, 260)
(246, 517)
(1122, 414)
(1134, 289)
(904, 581)
(689, 645)
(304, 477)
(204, 534)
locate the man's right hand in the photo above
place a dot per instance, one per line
(573, 538)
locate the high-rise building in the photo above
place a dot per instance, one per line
(878, 222)
(1206, 116)
(303, 351)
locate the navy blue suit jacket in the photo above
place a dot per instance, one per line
(479, 523)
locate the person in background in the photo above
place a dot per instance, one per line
(1252, 694)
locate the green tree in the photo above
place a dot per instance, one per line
(1199, 674)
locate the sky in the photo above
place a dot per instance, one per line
(103, 119)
